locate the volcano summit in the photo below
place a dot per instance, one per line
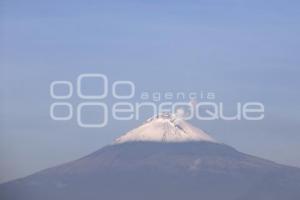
(165, 127)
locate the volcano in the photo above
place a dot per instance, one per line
(165, 158)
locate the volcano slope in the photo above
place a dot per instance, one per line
(157, 170)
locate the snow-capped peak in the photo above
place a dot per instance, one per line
(165, 127)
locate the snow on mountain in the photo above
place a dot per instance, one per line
(165, 127)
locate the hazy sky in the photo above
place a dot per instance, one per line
(241, 50)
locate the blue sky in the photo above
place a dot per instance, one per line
(241, 50)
